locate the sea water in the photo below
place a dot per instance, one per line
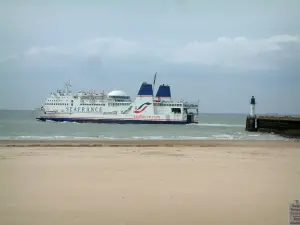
(17, 124)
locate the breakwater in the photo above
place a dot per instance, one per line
(287, 126)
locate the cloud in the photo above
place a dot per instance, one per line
(225, 52)
(103, 47)
(239, 52)
(39, 51)
(109, 47)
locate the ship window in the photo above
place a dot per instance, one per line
(176, 110)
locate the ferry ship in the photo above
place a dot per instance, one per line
(118, 107)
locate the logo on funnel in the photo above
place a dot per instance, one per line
(142, 107)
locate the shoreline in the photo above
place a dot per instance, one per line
(149, 143)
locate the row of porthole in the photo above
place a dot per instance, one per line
(56, 103)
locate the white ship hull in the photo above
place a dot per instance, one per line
(117, 107)
(100, 118)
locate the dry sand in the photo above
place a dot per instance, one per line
(244, 183)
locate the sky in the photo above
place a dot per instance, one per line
(218, 52)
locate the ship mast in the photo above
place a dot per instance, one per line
(154, 82)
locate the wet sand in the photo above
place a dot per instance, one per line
(148, 182)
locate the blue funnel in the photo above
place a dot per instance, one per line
(164, 91)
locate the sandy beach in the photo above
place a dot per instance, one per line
(148, 182)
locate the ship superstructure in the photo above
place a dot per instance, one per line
(118, 107)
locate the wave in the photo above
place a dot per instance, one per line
(220, 136)
(101, 138)
(217, 125)
(224, 137)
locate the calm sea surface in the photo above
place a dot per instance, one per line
(23, 125)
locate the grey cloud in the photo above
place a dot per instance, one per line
(240, 52)
(235, 53)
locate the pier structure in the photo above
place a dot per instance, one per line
(288, 126)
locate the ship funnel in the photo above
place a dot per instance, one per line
(145, 90)
(164, 91)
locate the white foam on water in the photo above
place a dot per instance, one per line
(190, 138)
(45, 138)
(217, 125)
(148, 137)
(223, 137)
(59, 122)
(169, 138)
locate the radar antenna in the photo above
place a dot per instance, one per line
(68, 87)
